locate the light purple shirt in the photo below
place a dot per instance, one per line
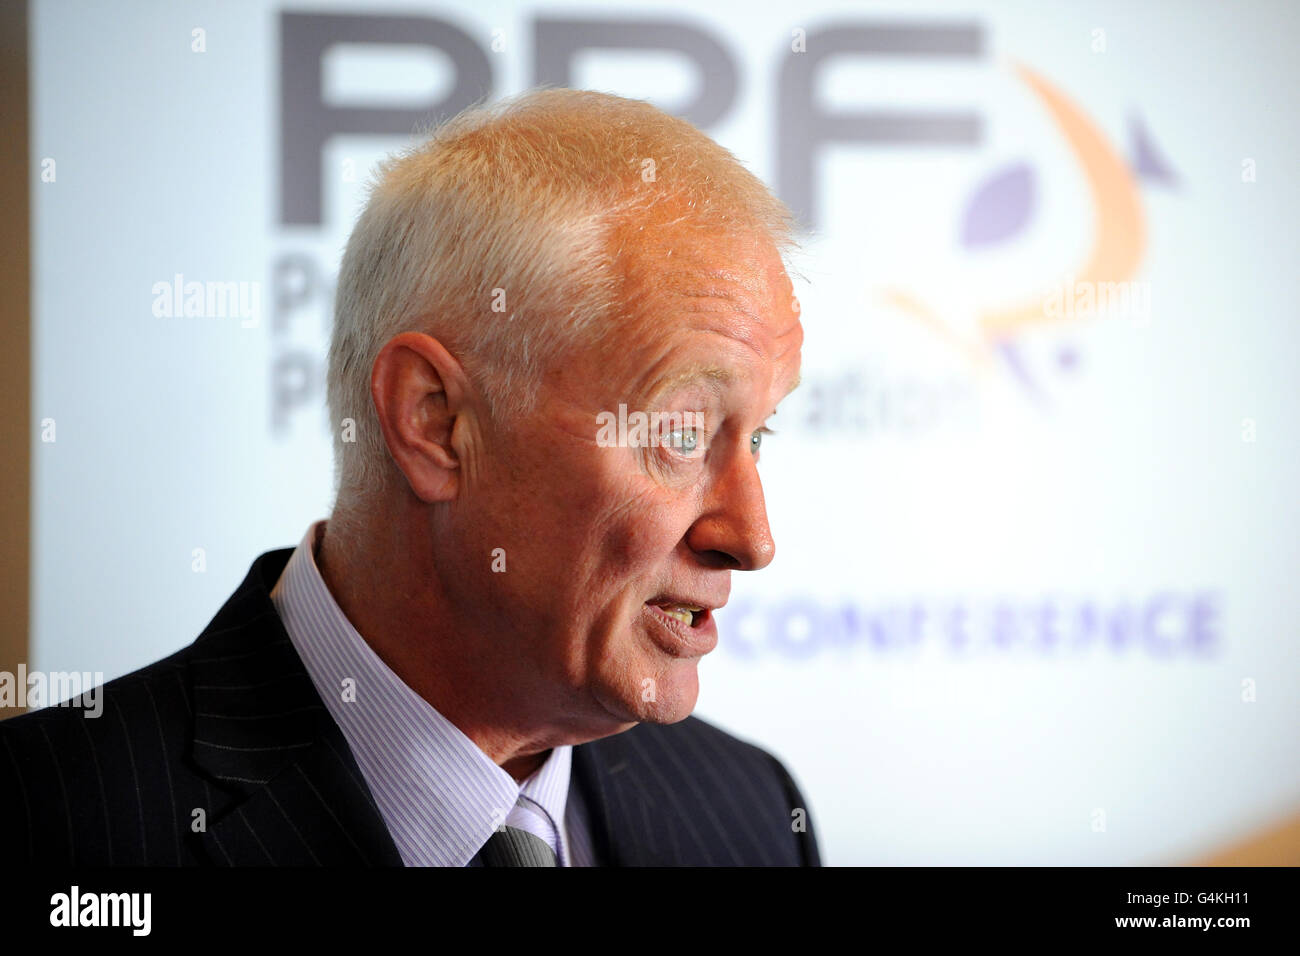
(439, 794)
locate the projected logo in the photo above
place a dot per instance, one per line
(805, 120)
(1158, 626)
(860, 400)
(1105, 284)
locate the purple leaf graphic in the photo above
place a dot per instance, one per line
(1016, 363)
(1000, 207)
(1148, 162)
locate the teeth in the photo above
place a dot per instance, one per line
(680, 611)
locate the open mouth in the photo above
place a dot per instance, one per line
(688, 615)
(684, 630)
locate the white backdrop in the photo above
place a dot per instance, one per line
(1034, 599)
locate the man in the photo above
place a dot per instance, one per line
(488, 654)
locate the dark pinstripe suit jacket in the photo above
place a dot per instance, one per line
(224, 754)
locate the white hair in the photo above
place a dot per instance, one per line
(497, 236)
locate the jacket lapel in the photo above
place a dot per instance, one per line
(285, 787)
(626, 827)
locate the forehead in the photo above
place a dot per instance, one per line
(710, 308)
(717, 309)
(733, 287)
(739, 269)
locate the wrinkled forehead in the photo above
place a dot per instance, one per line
(689, 260)
(674, 278)
(726, 292)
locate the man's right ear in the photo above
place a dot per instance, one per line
(419, 390)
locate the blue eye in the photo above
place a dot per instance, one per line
(756, 439)
(684, 439)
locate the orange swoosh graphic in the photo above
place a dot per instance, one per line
(975, 351)
(1119, 235)
(1119, 229)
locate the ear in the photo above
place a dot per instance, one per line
(420, 390)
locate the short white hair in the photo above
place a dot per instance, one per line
(496, 236)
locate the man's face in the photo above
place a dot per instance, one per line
(598, 539)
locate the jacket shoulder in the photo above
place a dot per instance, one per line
(108, 777)
(79, 776)
(118, 699)
(164, 681)
(733, 798)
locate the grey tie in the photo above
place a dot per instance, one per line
(511, 846)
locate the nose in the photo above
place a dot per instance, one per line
(733, 532)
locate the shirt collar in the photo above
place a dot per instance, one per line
(439, 794)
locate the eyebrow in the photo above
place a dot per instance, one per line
(716, 375)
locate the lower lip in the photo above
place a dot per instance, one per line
(682, 640)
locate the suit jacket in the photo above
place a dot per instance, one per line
(224, 754)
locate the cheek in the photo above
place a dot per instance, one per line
(649, 535)
(610, 568)
(594, 523)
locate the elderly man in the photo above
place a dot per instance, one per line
(488, 654)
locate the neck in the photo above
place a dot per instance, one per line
(384, 579)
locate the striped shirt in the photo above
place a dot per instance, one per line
(440, 796)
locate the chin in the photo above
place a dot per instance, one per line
(674, 698)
